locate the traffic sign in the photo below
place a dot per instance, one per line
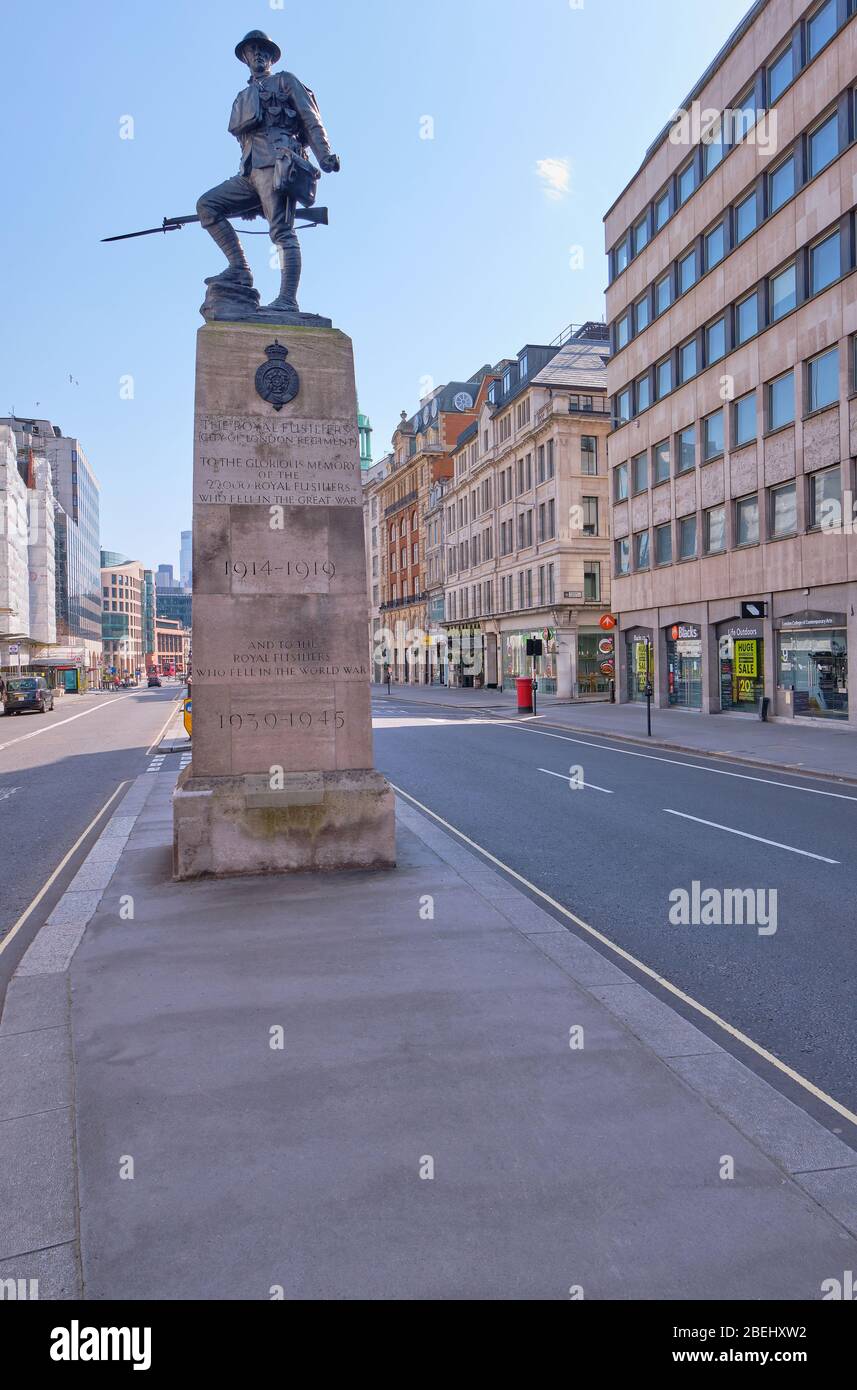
(608, 622)
(187, 715)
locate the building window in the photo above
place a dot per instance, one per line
(589, 454)
(621, 256)
(744, 420)
(686, 450)
(550, 459)
(747, 521)
(641, 550)
(712, 147)
(712, 435)
(663, 294)
(743, 116)
(641, 312)
(780, 74)
(664, 544)
(662, 210)
(715, 530)
(686, 182)
(592, 582)
(715, 341)
(623, 331)
(620, 482)
(824, 265)
(781, 401)
(715, 246)
(664, 377)
(643, 389)
(746, 319)
(783, 510)
(820, 29)
(623, 556)
(687, 538)
(825, 498)
(641, 235)
(640, 473)
(745, 218)
(661, 462)
(687, 360)
(781, 184)
(687, 272)
(823, 145)
(823, 380)
(783, 292)
(590, 516)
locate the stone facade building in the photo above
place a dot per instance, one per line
(526, 522)
(733, 310)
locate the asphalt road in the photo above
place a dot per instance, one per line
(57, 770)
(644, 825)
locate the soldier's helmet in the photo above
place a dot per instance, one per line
(256, 36)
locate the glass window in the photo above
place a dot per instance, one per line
(642, 313)
(712, 435)
(744, 420)
(592, 582)
(641, 235)
(687, 360)
(715, 341)
(640, 472)
(623, 404)
(664, 544)
(641, 550)
(747, 521)
(644, 393)
(712, 147)
(784, 510)
(662, 210)
(823, 145)
(661, 462)
(687, 538)
(820, 29)
(745, 217)
(589, 454)
(623, 557)
(686, 449)
(664, 372)
(783, 293)
(715, 246)
(781, 401)
(621, 255)
(686, 181)
(663, 294)
(687, 272)
(715, 530)
(620, 482)
(623, 331)
(823, 379)
(780, 74)
(825, 497)
(824, 264)
(744, 116)
(746, 319)
(781, 184)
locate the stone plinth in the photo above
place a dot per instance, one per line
(282, 773)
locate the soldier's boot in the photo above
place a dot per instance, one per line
(238, 271)
(290, 275)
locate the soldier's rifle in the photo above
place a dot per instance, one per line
(313, 217)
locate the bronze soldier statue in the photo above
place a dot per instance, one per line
(276, 120)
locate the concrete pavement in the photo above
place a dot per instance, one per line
(426, 1130)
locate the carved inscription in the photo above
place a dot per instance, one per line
(255, 461)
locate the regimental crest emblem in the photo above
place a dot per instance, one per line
(276, 380)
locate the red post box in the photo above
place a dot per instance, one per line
(525, 694)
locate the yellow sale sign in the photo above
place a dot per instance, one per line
(746, 659)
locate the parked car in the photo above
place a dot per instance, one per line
(27, 692)
(154, 680)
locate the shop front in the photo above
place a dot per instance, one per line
(742, 666)
(516, 663)
(684, 665)
(640, 662)
(596, 661)
(465, 655)
(812, 663)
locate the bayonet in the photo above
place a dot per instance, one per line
(313, 217)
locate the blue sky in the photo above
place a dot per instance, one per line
(442, 254)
